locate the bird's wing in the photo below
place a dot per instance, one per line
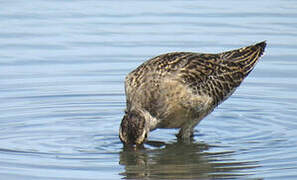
(218, 75)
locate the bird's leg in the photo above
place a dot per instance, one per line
(185, 133)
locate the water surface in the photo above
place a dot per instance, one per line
(62, 68)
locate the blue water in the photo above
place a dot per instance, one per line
(62, 68)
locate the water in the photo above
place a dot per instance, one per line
(62, 68)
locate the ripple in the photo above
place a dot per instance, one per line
(62, 91)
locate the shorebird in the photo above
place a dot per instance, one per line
(178, 89)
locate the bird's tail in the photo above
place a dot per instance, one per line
(245, 58)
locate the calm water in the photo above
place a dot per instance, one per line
(62, 67)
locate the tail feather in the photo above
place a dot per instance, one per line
(237, 65)
(244, 58)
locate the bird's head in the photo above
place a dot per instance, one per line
(133, 129)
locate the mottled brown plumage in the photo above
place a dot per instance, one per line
(177, 90)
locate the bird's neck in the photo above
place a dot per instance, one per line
(151, 122)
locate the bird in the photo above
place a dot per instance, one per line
(178, 89)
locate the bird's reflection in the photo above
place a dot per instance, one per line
(180, 160)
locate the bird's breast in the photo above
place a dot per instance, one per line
(180, 105)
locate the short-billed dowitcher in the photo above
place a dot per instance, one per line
(178, 89)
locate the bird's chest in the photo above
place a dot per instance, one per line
(176, 117)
